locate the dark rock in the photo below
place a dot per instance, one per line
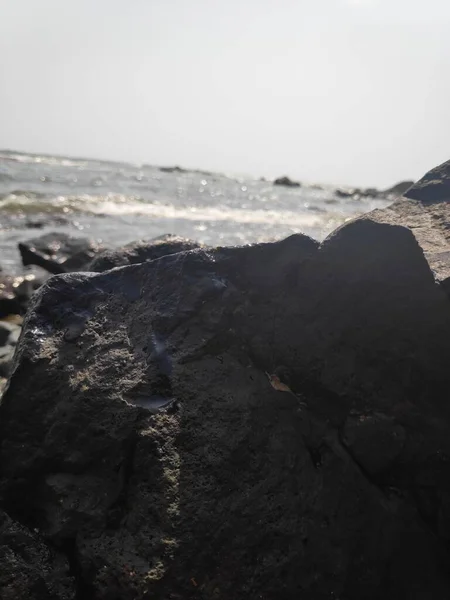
(172, 170)
(9, 332)
(10, 306)
(433, 187)
(268, 266)
(139, 427)
(5, 331)
(445, 283)
(44, 220)
(340, 193)
(399, 189)
(6, 360)
(370, 193)
(425, 209)
(29, 569)
(357, 193)
(142, 251)
(15, 293)
(286, 182)
(375, 441)
(58, 252)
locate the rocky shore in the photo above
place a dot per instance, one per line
(263, 422)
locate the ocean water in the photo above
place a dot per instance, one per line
(119, 202)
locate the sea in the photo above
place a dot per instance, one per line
(116, 203)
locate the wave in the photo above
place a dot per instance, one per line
(45, 160)
(123, 205)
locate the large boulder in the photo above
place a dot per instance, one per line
(59, 252)
(142, 251)
(286, 182)
(140, 428)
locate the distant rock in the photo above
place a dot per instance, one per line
(142, 251)
(369, 192)
(433, 187)
(203, 172)
(286, 182)
(341, 193)
(172, 170)
(59, 252)
(398, 189)
(15, 293)
(357, 193)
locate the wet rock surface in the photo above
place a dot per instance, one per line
(264, 422)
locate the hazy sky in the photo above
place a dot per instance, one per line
(345, 91)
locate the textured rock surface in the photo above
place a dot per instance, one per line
(140, 430)
(58, 252)
(28, 569)
(138, 252)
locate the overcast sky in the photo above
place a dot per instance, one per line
(344, 91)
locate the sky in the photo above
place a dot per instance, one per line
(336, 91)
